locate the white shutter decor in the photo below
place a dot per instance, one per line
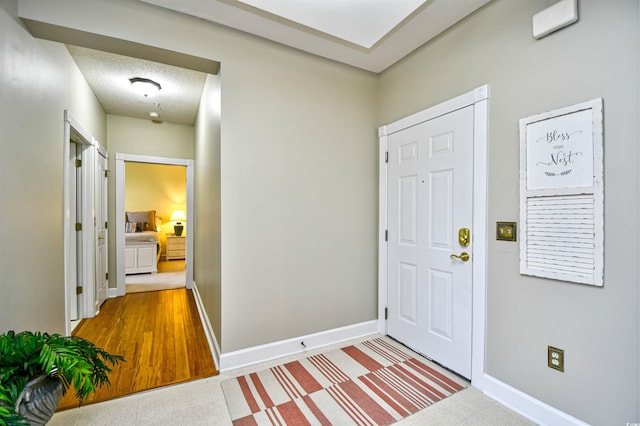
(562, 194)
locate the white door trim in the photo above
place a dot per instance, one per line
(73, 130)
(120, 179)
(479, 98)
(101, 154)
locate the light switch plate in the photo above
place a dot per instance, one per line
(506, 231)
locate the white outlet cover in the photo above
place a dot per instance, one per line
(560, 15)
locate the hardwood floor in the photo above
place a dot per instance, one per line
(160, 335)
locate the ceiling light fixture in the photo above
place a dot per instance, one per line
(154, 114)
(145, 86)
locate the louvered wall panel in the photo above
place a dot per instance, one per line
(560, 234)
(562, 194)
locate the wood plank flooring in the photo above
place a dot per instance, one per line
(160, 335)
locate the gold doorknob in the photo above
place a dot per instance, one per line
(464, 256)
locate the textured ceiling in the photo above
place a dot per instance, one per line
(108, 76)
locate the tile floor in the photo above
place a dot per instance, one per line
(201, 402)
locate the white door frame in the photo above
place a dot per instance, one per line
(87, 300)
(101, 154)
(479, 98)
(73, 130)
(121, 158)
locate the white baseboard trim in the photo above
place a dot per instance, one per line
(112, 292)
(208, 329)
(256, 354)
(527, 406)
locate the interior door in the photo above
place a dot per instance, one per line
(72, 284)
(430, 181)
(101, 231)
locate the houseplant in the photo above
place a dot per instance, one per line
(36, 369)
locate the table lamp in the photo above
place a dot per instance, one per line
(178, 217)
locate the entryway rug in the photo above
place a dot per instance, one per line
(375, 382)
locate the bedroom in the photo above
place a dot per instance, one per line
(153, 194)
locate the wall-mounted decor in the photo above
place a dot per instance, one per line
(561, 194)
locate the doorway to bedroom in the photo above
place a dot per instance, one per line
(154, 248)
(155, 229)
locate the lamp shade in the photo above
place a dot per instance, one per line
(178, 216)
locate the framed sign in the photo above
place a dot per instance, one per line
(562, 194)
(560, 151)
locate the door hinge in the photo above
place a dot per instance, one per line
(78, 226)
(106, 276)
(106, 173)
(78, 163)
(78, 290)
(106, 225)
(386, 235)
(386, 157)
(386, 313)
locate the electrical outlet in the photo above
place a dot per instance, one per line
(555, 358)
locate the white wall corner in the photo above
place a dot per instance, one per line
(270, 351)
(526, 405)
(208, 328)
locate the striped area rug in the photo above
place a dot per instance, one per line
(371, 383)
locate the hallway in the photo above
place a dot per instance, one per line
(161, 337)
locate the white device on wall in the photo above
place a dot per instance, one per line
(553, 18)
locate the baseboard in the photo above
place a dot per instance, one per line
(256, 354)
(208, 329)
(529, 407)
(112, 292)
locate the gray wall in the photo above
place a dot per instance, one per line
(38, 81)
(597, 327)
(299, 195)
(207, 267)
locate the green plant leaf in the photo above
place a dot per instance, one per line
(74, 361)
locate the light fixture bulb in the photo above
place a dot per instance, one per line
(154, 114)
(145, 86)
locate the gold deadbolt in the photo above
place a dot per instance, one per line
(464, 237)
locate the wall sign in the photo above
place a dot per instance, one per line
(561, 194)
(560, 152)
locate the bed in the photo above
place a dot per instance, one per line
(142, 242)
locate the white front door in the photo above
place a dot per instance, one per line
(101, 232)
(430, 199)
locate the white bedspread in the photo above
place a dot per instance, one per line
(145, 236)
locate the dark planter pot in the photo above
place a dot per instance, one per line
(39, 399)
